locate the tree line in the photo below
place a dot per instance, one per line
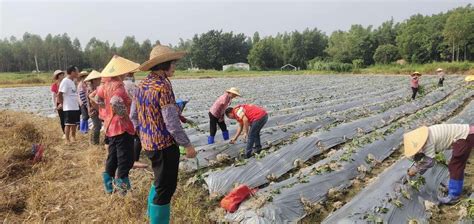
(446, 36)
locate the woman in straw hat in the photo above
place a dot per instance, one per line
(118, 127)
(160, 129)
(414, 82)
(93, 81)
(440, 73)
(423, 143)
(58, 76)
(217, 112)
(82, 94)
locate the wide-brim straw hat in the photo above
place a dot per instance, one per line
(469, 78)
(83, 73)
(234, 91)
(416, 73)
(160, 54)
(56, 73)
(118, 66)
(414, 140)
(93, 75)
(439, 70)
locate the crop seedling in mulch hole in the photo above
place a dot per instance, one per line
(417, 183)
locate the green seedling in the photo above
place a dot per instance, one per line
(469, 203)
(406, 194)
(417, 183)
(440, 158)
(397, 203)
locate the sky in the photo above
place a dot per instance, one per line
(168, 21)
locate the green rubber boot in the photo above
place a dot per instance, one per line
(151, 195)
(160, 214)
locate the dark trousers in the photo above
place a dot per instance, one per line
(95, 134)
(137, 147)
(461, 151)
(61, 118)
(440, 82)
(254, 136)
(120, 158)
(213, 122)
(165, 165)
(414, 90)
(84, 112)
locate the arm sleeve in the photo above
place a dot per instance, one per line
(172, 121)
(423, 165)
(63, 87)
(170, 114)
(134, 114)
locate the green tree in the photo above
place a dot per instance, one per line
(130, 49)
(266, 54)
(385, 54)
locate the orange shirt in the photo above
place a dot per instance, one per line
(116, 121)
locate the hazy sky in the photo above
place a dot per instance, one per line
(167, 21)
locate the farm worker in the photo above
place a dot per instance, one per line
(216, 114)
(415, 78)
(82, 94)
(93, 81)
(101, 106)
(160, 129)
(58, 76)
(131, 87)
(251, 120)
(69, 103)
(423, 143)
(118, 127)
(441, 74)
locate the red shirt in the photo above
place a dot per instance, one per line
(116, 123)
(55, 88)
(414, 82)
(252, 112)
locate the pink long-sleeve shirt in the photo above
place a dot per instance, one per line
(219, 106)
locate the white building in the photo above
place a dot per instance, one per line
(237, 66)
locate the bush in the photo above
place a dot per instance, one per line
(330, 66)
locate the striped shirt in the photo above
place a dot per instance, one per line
(82, 90)
(441, 136)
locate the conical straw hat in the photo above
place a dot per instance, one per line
(469, 78)
(234, 91)
(439, 70)
(118, 66)
(93, 75)
(161, 54)
(414, 140)
(83, 73)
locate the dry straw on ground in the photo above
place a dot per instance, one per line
(66, 187)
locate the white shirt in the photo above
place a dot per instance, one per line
(69, 90)
(441, 136)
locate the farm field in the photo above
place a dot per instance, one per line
(332, 154)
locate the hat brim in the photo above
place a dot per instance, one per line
(414, 141)
(147, 65)
(55, 76)
(233, 92)
(93, 75)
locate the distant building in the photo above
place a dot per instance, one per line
(236, 66)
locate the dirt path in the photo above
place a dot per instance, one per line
(67, 186)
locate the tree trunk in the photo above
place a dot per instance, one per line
(465, 52)
(452, 56)
(457, 56)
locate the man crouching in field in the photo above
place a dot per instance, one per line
(251, 120)
(423, 143)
